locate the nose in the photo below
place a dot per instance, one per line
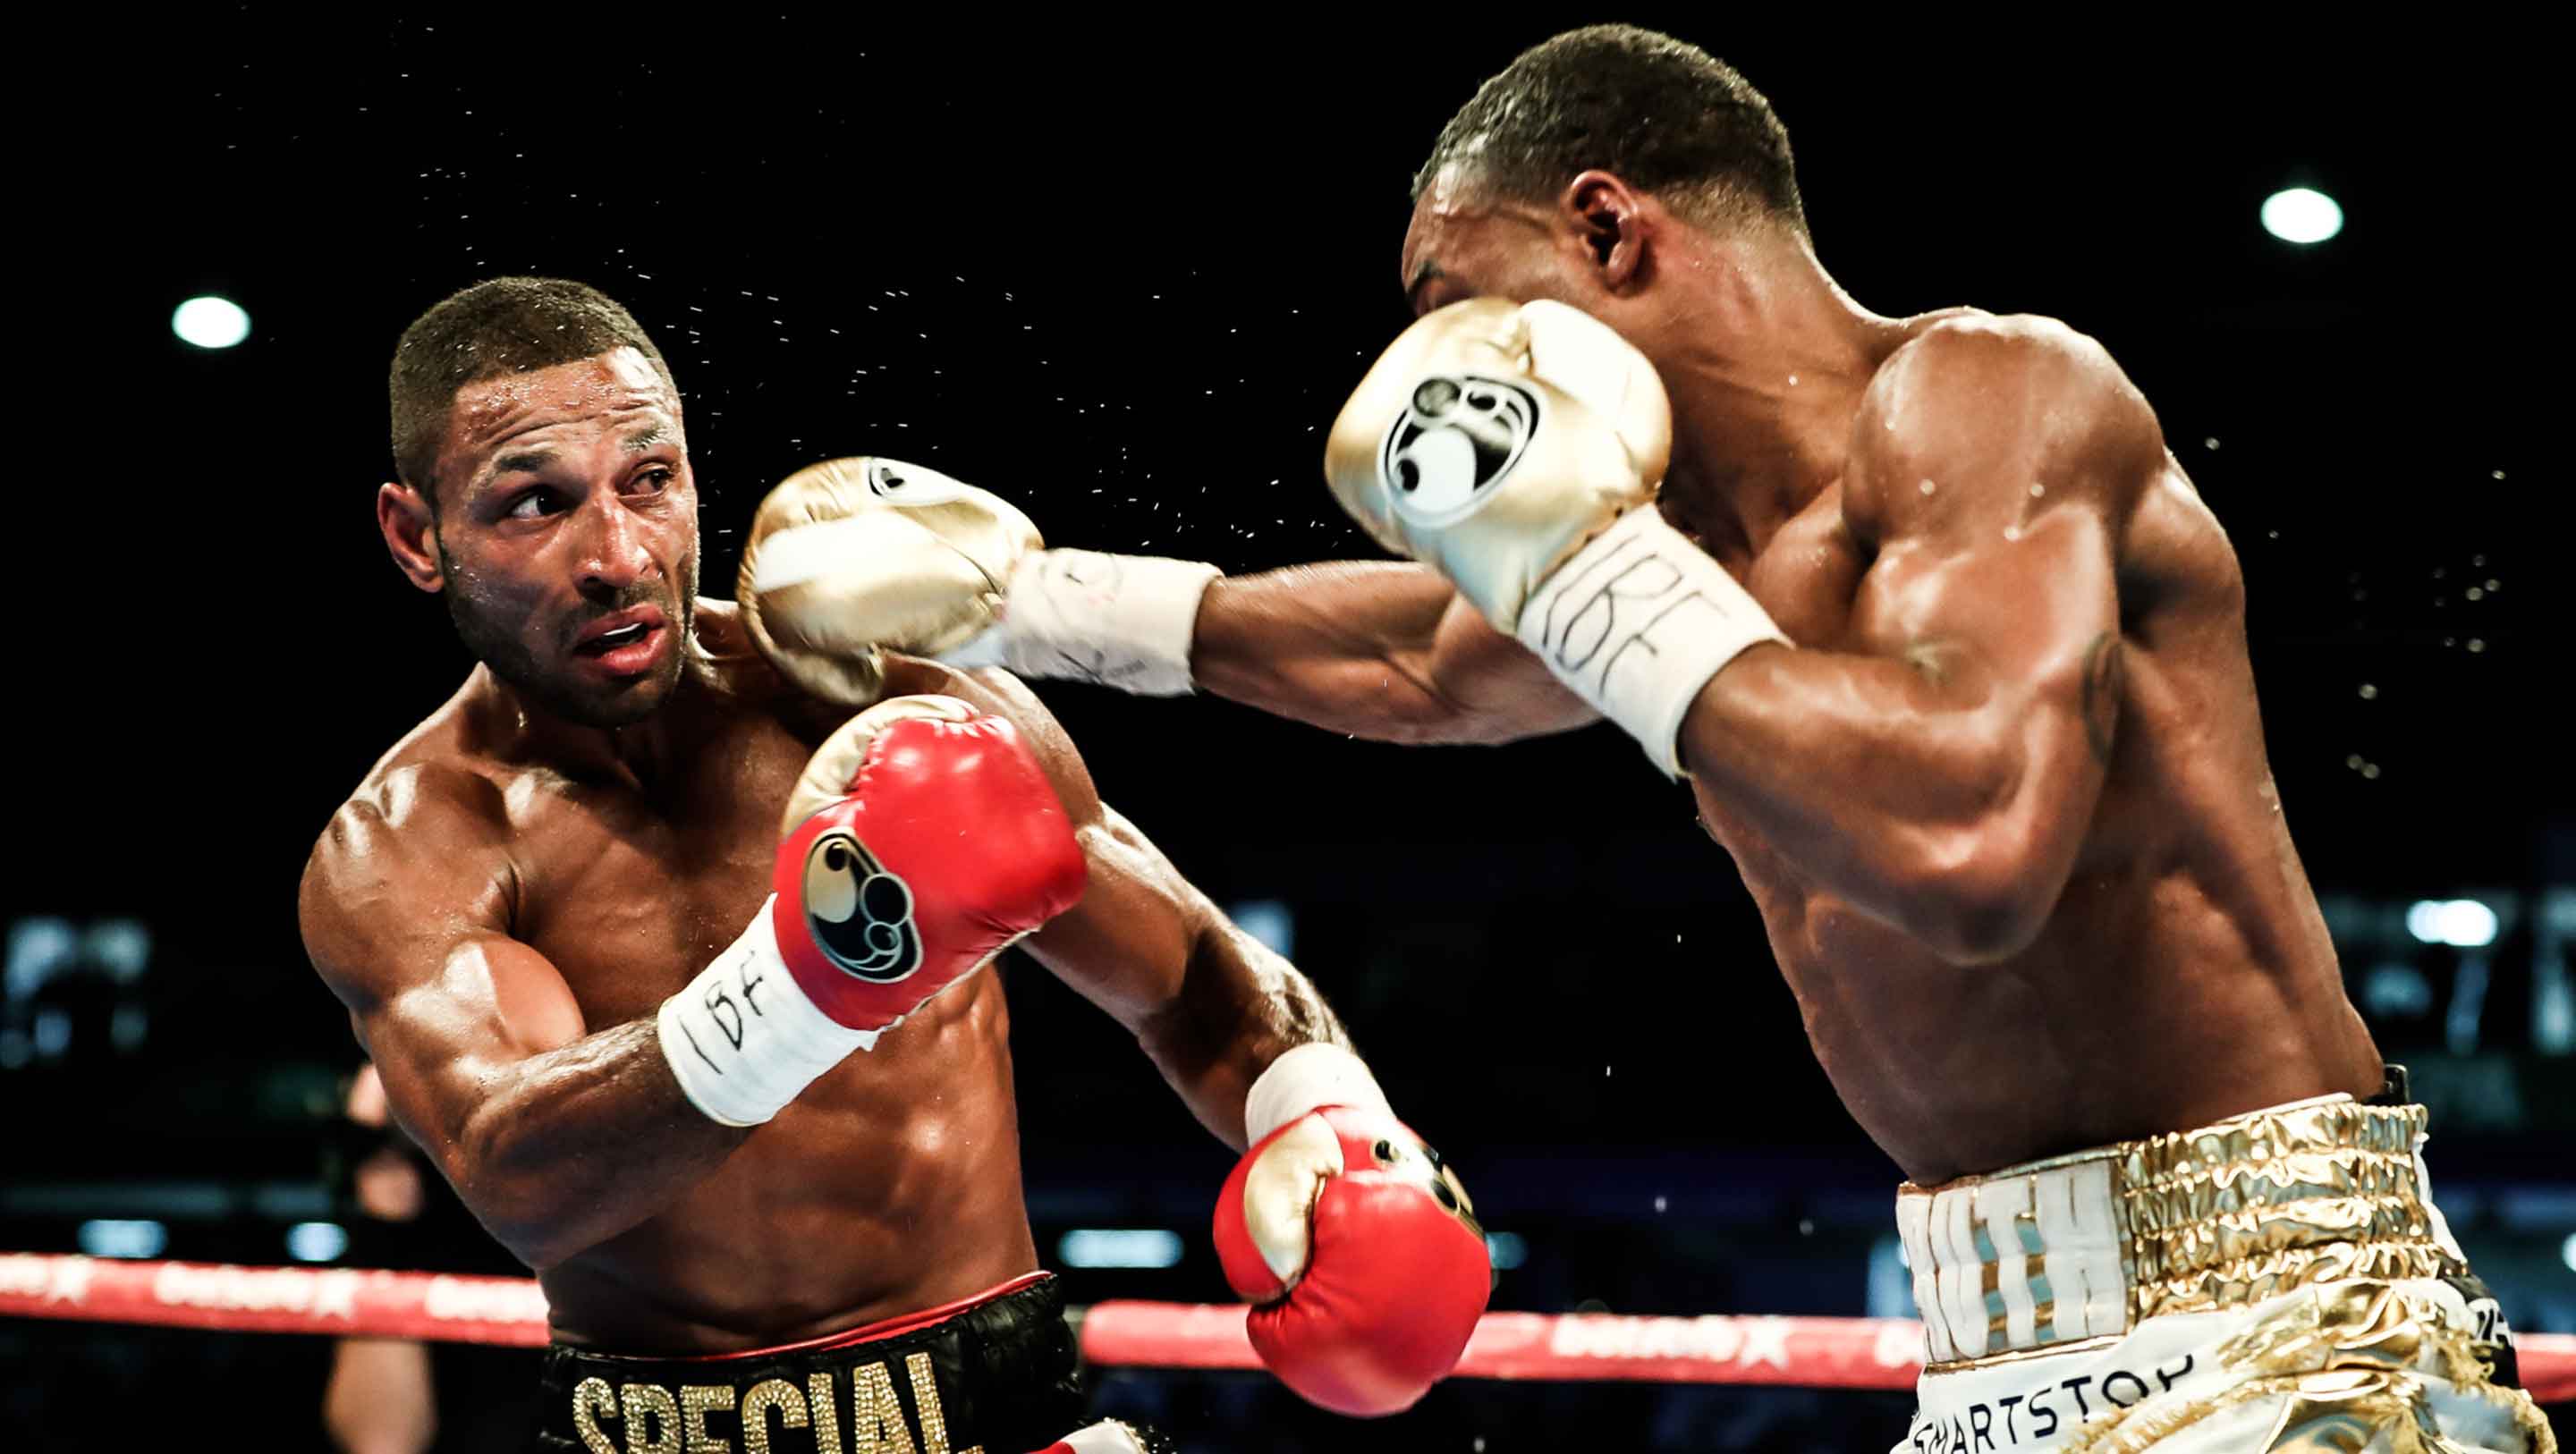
(613, 550)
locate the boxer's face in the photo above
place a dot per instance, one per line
(565, 538)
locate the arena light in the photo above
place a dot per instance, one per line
(2302, 215)
(116, 1237)
(1269, 920)
(2460, 923)
(210, 322)
(316, 1241)
(1120, 1247)
(2567, 1252)
(1506, 1249)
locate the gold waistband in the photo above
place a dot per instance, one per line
(2259, 1204)
(2089, 1244)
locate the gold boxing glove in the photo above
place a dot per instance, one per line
(853, 555)
(1517, 448)
(1494, 438)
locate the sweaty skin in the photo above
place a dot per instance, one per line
(2005, 810)
(507, 898)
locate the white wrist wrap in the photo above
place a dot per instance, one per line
(1121, 621)
(1637, 621)
(743, 1039)
(1311, 1075)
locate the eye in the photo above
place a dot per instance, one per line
(533, 505)
(654, 481)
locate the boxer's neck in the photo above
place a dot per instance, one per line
(1765, 358)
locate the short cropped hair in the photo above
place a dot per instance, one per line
(1662, 115)
(502, 326)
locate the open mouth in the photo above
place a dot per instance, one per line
(608, 641)
(627, 643)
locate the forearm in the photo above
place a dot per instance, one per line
(1377, 649)
(1342, 646)
(573, 1146)
(1240, 1007)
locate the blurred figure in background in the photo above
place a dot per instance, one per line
(380, 1398)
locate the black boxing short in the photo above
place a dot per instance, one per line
(995, 1372)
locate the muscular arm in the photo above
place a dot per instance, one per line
(1943, 777)
(1376, 649)
(556, 1137)
(1211, 1005)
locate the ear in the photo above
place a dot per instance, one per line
(1610, 219)
(403, 517)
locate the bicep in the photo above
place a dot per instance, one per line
(410, 935)
(1994, 467)
(1993, 472)
(477, 1008)
(2016, 615)
(1127, 945)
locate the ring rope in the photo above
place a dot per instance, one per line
(1870, 1353)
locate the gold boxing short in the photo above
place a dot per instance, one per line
(2278, 1280)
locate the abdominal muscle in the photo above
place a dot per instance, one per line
(890, 1186)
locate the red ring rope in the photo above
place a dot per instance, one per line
(1883, 1353)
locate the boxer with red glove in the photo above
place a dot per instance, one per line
(533, 906)
(1357, 1245)
(922, 840)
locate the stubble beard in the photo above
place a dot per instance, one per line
(554, 690)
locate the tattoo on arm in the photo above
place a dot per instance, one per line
(2102, 693)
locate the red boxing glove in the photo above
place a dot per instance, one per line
(1363, 1255)
(923, 839)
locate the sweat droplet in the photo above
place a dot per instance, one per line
(2038, 490)
(1926, 487)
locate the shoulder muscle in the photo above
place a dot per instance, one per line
(1996, 416)
(414, 861)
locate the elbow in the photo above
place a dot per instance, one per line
(1983, 900)
(1988, 927)
(514, 1206)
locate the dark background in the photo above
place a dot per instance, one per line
(1124, 274)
